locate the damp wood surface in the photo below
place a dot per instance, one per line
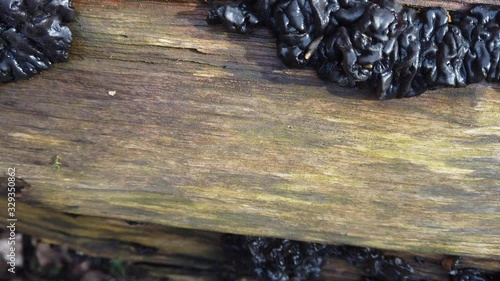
(208, 130)
(186, 255)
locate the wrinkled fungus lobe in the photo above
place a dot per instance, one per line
(33, 36)
(379, 44)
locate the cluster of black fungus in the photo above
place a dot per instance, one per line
(377, 267)
(380, 44)
(274, 259)
(282, 260)
(456, 273)
(472, 274)
(33, 36)
(453, 264)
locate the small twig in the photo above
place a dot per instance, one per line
(313, 47)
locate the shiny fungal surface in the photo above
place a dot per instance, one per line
(33, 35)
(471, 274)
(272, 258)
(394, 50)
(277, 259)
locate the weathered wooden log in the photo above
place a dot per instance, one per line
(159, 118)
(184, 254)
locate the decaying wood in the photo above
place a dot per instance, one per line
(183, 254)
(449, 4)
(208, 130)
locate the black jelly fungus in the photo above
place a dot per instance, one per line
(472, 274)
(277, 259)
(395, 50)
(33, 35)
(274, 259)
(388, 268)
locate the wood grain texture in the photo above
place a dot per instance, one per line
(449, 4)
(184, 254)
(208, 130)
(180, 252)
